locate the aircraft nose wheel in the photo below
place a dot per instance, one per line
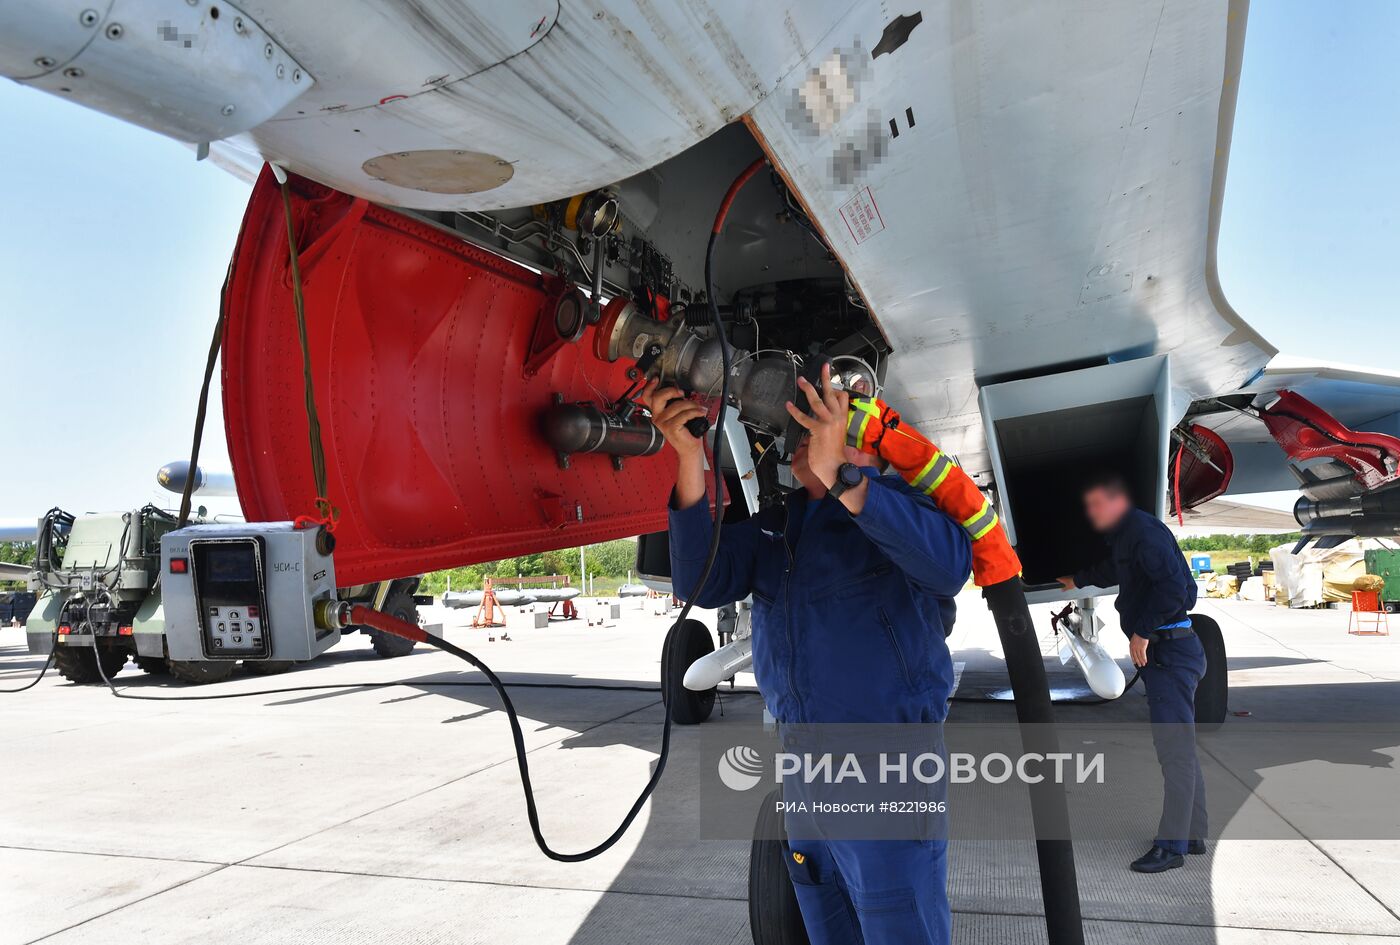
(774, 916)
(686, 642)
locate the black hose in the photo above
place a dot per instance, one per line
(53, 652)
(1059, 887)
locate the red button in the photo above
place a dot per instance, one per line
(179, 565)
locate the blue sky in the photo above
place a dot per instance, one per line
(114, 242)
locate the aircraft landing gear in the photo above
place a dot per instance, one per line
(1213, 691)
(774, 918)
(686, 642)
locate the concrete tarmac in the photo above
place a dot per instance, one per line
(366, 814)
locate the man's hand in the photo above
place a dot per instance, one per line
(1067, 582)
(670, 411)
(826, 427)
(1137, 649)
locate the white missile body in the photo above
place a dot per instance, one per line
(714, 668)
(1100, 670)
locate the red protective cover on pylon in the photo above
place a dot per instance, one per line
(431, 427)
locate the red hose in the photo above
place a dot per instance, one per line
(1176, 484)
(733, 191)
(369, 617)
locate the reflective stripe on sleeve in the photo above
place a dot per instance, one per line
(932, 475)
(980, 524)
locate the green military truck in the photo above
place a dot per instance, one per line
(98, 581)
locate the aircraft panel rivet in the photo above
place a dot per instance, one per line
(238, 24)
(73, 72)
(88, 18)
(267, 51)
(281, 70)
(44, 62)
(226, 111)
(115, 31)
(296, 75)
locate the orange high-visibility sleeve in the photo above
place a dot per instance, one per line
(874, 427)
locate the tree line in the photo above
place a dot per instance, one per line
(608, 560)
(1255, 544)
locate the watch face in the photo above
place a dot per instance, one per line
(849, 473)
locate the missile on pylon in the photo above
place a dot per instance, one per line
(714, 668)
(173, 476)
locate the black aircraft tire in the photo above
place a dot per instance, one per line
(1213, 691)
(78, 664)
(199, 672)
(774, 917)
(685, 643)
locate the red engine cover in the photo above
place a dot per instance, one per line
(1194, 481)
(1306, 431)
(430, 422)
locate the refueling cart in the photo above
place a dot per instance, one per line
(102, 601)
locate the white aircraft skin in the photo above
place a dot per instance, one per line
(1055, 199)
(1014, 189)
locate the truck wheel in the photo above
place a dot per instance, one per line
(388, 645)
(78, 664)
(774, 917)
(685, 643)
(155, 665)
(268, 667)
(1213, 691)
(198, 672)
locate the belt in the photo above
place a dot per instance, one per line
(1172, 633)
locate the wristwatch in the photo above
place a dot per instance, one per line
(848, 476)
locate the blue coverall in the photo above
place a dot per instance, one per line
(849, 618)
(1155, 593)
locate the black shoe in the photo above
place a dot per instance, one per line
(1157, 860)
(1196, 847)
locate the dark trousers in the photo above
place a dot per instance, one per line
(868, 879)
(1173, 669)
(872, 892)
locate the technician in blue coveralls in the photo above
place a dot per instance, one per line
(852, 582)
(1155, 593)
